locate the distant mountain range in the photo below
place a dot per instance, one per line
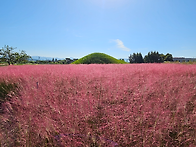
(35, 58)
(44, 58)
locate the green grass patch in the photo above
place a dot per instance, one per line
(5, 90)
(3, 64)
(98, 58)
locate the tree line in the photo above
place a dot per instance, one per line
(8, 55)
(54, 61)
(151, 57)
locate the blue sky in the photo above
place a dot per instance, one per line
(75, 28)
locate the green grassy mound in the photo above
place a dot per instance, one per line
(98, 58)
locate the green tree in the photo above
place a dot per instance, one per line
(8, 55)
(21, 57)
(168, 57)
(153, 57)
(140, 58)
(136, 58)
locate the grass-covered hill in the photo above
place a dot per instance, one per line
(98, 58)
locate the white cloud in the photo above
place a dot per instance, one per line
(121, 45)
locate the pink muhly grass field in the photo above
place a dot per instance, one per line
(99, 105)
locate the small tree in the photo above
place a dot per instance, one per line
(21, 57)
(8, 55)
(168, 57)
(153, 57)
(140, 58)
(136, 58)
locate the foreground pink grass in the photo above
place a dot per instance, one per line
(99, 105)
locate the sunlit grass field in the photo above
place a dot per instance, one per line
(98, 105)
